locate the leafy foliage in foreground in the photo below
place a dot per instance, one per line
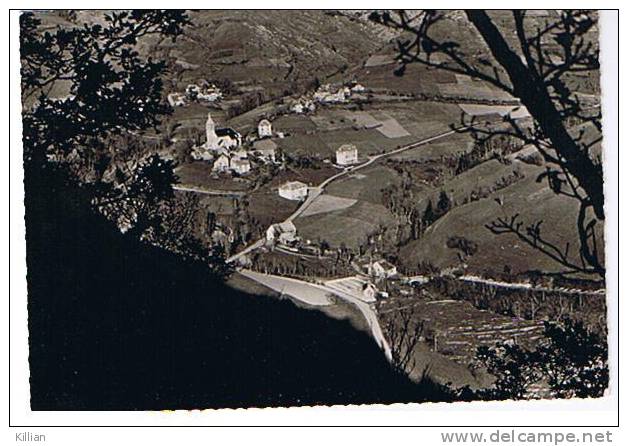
(571, 363)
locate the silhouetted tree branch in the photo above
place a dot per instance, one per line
(535, 68)
(113, 92)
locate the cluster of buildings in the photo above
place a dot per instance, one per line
(237, 162)
(223, 146)
(301, 105)
(205, 93)
(330, 94)
(325, 94)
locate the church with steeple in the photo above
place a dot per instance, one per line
(217, 141)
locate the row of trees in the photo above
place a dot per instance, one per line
(587, 308)
(483, 150)
(401, 201)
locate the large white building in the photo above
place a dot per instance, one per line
(293, 190)
(347, 154)
(264, 128)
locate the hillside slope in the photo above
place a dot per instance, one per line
(115, 324)
(271, 48)
(532, 200)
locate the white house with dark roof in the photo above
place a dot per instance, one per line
(228, 138)
(222, 163)
(293, 190)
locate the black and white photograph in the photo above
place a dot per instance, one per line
(291, 208)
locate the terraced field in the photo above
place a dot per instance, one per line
(456, 329)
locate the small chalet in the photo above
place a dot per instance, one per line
(369, 292)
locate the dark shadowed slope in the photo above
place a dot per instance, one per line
(115, 324)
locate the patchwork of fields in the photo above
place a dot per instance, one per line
(373, 130)
(352, 208)
(456, 328)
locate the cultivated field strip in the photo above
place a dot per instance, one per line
(456, 329)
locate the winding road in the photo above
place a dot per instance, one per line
(292, 286)
(315, 191)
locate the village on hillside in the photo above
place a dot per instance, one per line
(308, 194)
(325, 171)
(363, 189)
